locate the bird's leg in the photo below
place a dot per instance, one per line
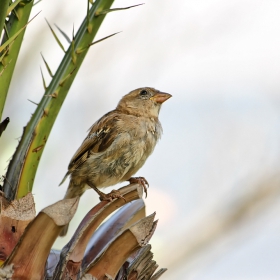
(141, 181)
(101, 194)
(113, 194)
(107, 197)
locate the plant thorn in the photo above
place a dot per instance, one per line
(37, 149)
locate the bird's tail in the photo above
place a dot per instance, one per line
(64, 178)
(72, 191)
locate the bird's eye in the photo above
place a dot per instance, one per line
(143, 92)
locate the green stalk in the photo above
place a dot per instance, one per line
(22, 169)
(17, 20)
(4, 4)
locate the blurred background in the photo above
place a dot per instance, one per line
(215, 175)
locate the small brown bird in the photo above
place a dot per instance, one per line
(117, 145)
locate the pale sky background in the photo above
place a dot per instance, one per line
(221, 144)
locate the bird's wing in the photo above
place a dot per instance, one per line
(100, 137)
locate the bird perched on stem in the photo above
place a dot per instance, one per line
(117, 145)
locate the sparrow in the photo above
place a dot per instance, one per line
(117, 145)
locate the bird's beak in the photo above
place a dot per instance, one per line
(161, 97)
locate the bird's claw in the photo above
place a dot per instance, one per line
(112, 195)
(141, 181)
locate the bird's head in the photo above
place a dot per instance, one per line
(143, 102)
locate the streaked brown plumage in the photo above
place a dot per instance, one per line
(118, 144)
